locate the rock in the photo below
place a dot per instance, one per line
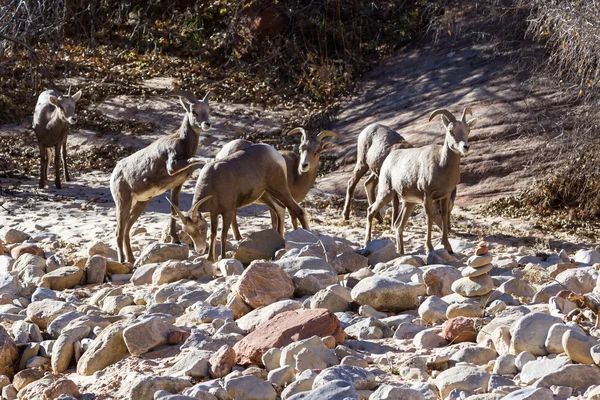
(536, 369)
(433, 309)
(263, 283)
(462, 377)
(284, 329)
(389, 392)
(440, 256)
(517, 288)
(463, 310)
(281, 376)
(143, 274)
(439, 278)
(407, 330)
(429, 339)
(530, 394)
(222, 361)
(28, 259)
(260, 245)
(271, 359)
(560, 306)
(160, 252)
(250, 388)
(349, 261)
(8, 353)
(505, 365)
(386, 294)
(315, 345)
(255, 318)
(309, 282)
(470, 272)
(9, 284)
(114, 304)
(146, 335)
(308, 360)
(95, 269)
(459, 329)
(230, 267)
(529, 333)
(60, 388)
(25, 377)
(587, 257)
(577, 346)
(577, 280)
(478, 261)
(334, 390)
(42, 313)
(173, 270)
(554, 339)
(191, 362)
(473, 287)
(102, 249)
(144, 387)
(108, 348)
(360, 378)
(294, 265)
(523, 358)
(379, 250)
(115, 267)
(579, 377)
(26, 248)
(63, 278)
(474, 355)
(335, 298)
(29, 352)
(12, 236)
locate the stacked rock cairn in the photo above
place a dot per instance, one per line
(476, 281)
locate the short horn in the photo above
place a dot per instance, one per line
(189, 96)
(69, 91)
(208, 95)
(323, 134)
(444, 112)
(298, 130)
(465, 112)
(179, 213)
(199, 203)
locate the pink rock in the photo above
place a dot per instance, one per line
(459, 329)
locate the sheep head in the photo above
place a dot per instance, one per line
(197, 111)
(311, 148)
(457, 132)
(65, 105)
(194, 224)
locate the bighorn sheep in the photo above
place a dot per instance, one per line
(51, 119)
(423, 175)
(375, 142)
(163, 165)
(236, 181)
(301, 172)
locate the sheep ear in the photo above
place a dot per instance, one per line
(77, 96)
(208, 96)
(187, 107)
(53, 100)
(472, 122)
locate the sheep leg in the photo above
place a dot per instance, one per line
(214, 225)
(428, 204)
(395, 210)
(445, 206)
(284, 196)
(44, 156)
(234, 225)
(227, 217)
(63, 156)
(57, 167)
(175, 166)
(383, 198)
(175, 192)
(294, 222)
(370, 189)
(400, 224)
(137, 210)
(359, 170)
(277, 211)
(123, 206)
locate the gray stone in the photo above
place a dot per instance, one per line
(349, 261)
(433, 309)
(505, 365)
(335, 298)
(230, 267)
(462, 377)
(530, 394)
(389, 392)
(529, 333)
(334, 390)
(588, 257)
(146, 335)
(474, 355)
(554, 339)
(429, 339)
(174, 270)
(360, 378)
(160, 252)
(250, 388)
(473, 287)
(42, 313)
(260, 245)
(63, 278)
(386, 294)
(310, 281)
(578, 280)
(144, 387)
(580, 377)
(517, 288)
(95, 269)
(379, 250)
(577, 346)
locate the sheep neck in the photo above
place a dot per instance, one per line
(448, 158)
(304, 181)
(188, 134)
(55, 122)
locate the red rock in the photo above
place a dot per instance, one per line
(24, 248)
(222, 361)
(176, 337)
(263, 283)
(459, 329)
(286, 328)
(8, 353)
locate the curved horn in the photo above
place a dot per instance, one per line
(465, 112)
(179, 213)
(443, 112)
(189, 96)
(195, 207)
(323, 134)
(208, 95)
(298, 130)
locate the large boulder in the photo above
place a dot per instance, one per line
(439, 278)
(387, 294)
(529, 333)
(580, 377)
(379, 251)
(63, 278)
(263, 283)
(255, 318)
(260, 245)
(160, 252)
(42, 313)
(284, 329)
(108, 348)
(462, 377)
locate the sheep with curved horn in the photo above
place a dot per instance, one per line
(301, 172)
(195, 223)
(233, 182)
(423, 175)
(164, 165)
